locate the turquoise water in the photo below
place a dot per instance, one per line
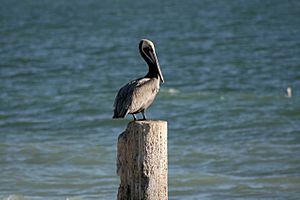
(233, 134)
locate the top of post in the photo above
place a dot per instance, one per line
(148, 122)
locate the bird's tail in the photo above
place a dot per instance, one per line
(119, 115)
(116, 117)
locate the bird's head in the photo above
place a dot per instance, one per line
(147, 51)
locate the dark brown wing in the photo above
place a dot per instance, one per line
(123, 99)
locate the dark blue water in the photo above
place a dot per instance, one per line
(233, 132)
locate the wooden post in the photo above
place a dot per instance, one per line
(142, 161)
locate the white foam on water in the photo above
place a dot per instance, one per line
(173, 91)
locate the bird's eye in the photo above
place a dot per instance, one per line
(147, 49)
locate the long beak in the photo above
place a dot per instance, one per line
(156, 63)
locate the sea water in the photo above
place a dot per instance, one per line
(233, 133)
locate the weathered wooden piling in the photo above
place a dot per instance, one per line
(142, 161)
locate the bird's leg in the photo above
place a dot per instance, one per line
(144, 115)
(134, 118)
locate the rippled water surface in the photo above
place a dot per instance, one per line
(233, 134)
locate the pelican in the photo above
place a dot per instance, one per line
(137, 95)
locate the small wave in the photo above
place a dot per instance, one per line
(15, 197)
(73, 198)
(21, 197)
